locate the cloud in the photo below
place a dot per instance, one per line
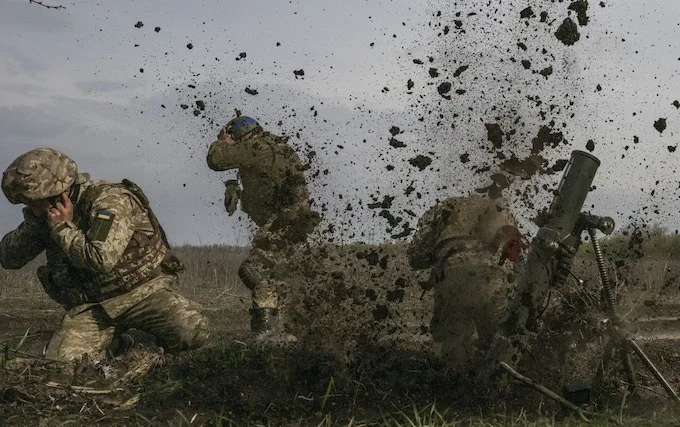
(16, 63)
(20, 17)
(106, 86)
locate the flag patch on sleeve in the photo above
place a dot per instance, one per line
(101, 226)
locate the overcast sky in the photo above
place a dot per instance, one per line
(90, 81)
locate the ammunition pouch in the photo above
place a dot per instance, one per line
(61, 288)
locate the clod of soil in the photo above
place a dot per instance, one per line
(546, 71)
(460, 70)
(581, 8)
(444, 89)
(527, 13)
(385, 204)
(420, 161)
(525, 168)
(394, 142)
(590, 145)
(545, 138)
(567, 32)
(494, 134)
(660, 124)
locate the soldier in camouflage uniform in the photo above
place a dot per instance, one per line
(470, 244)
(108, 260)
(274, 194)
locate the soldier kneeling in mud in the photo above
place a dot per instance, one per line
(471, 245)
(108, 260)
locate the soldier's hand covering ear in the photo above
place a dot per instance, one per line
(61, 210)
(232, 194)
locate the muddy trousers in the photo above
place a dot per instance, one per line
(175, 321)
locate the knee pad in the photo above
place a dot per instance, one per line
(249, 276)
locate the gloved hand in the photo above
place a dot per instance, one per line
(232, 194)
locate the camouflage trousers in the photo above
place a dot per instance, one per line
(266, 267)
(175, 321)
(470, 300)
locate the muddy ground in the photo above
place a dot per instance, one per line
(364, 356)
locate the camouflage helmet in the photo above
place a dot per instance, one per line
(241, 126)
(38, 174)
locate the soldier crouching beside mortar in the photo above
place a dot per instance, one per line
(108, 260)
(276, 198)
(471, 245)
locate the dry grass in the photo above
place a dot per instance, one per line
(230, 383)
(211, 271)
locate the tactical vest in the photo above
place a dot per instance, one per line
(144, 258)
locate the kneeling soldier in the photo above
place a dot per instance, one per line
(108, 261)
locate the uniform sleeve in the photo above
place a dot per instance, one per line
(23, 244)
(421, 250)
(222, 156)
(114, 216)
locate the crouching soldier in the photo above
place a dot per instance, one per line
(108, 260)
(276, 198)
(471, 245)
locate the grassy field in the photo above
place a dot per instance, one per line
(364, 356)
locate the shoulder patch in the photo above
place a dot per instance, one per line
(101, 225)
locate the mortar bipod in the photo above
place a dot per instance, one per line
(618, 332)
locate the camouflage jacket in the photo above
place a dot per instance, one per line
(461, 230)
(110, 247)
(271, 173)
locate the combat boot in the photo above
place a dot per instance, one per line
(120, 344)
(265, 327)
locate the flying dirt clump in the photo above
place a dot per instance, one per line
(444, 90)
(545, 138)
(495, 190)
(581, 8)
(660, 124)
(524, 168)
(420, 161)
(590, 145)
(494, 134)
(527, 13)
(567, 32)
